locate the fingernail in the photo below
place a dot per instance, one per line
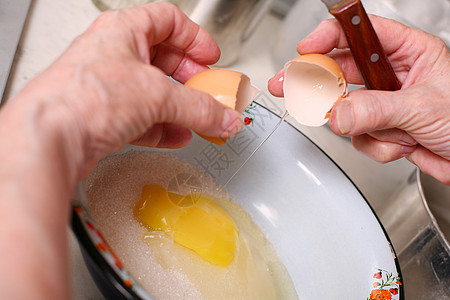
(232, 122)
(344, 116)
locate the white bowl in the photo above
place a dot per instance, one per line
(323, 229)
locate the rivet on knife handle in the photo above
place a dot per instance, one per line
(365, 46)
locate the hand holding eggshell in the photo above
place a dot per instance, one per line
(228, 87)
(413, 122)
(109, 88)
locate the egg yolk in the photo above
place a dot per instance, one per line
(193, 221)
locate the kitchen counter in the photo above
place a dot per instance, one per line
(53, 24)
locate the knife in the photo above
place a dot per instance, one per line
(223, 162)
(370, 58)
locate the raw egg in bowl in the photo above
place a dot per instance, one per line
(162, 224)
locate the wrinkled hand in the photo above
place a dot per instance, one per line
(109, 88)
(413, 122)
(113, 87)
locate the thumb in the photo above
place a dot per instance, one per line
(366, 111)
(200, 112)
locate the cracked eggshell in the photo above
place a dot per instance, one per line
(229, 87)
(313, 84)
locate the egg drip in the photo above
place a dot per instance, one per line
(192, 220)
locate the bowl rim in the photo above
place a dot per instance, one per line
(418, 174)
(86, 243)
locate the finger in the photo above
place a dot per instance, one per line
(393, 135)
(365, 111)
(166, 23)
(165, 136)
(319, 41)
(380, 151)
(347, 63)
(198, 111)
(329, 35)
(176, 64)
(158, 24)
(431, 164)
(186, 50)
(275, 84)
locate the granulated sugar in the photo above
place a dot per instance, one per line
(165, 269)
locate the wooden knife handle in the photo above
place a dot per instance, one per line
(366, 48)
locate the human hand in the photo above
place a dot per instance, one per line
(113, 88)
(413, 122)
(109, 88)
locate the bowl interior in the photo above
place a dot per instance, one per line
(322, 228)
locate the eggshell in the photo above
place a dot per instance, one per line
(313, 84)
(229, 87)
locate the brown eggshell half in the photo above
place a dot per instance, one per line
(229, 87)
(313, 84)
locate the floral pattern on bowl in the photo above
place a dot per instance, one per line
(386, 286)
(107, 253)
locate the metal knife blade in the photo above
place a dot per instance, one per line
(266, 117)
(222, 162)
(256, 149)
(372, 62)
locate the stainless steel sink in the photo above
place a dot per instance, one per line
(13, 14)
